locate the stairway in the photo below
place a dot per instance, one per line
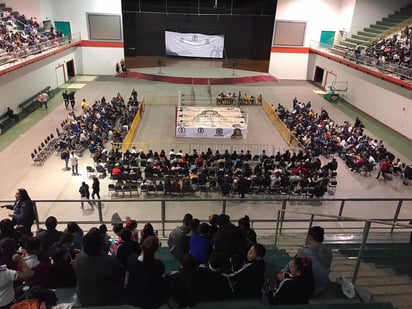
(378, 281)
(362, 38)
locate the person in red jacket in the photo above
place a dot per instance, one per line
(384, 168)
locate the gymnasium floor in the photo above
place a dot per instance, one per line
(50, 182)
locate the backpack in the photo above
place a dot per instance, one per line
(27, 304)
(34, 293)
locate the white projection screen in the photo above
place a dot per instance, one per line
(104, 27)
(194, 45)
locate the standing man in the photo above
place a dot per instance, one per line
(74, 161)
(134, 95)
(96, 188)
(66, 99)
(45, 99)
(65, 155)
(85, 194)
(72, 99)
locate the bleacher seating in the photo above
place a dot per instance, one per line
(275, 259)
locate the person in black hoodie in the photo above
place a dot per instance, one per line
(248, 280)
(230, 239)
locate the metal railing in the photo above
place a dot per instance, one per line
(367, 227)
(165, 212)
(31, 52)
(393, 69)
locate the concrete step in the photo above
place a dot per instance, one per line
(369, 35)
(399, 289)
(379, 27)
(405, 11)
(361, 37)
(395, 18)
(399, 16)
(372, 30)
(398, 301)
(387, 23)
(383, 281)
(356, 42)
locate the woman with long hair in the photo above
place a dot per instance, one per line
(23, 211)
(146, 286)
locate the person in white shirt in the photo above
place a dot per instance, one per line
(45, 99)
(9, 276)
(74, 161)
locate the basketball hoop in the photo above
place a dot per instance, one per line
(341, 86)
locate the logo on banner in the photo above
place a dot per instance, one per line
(200, 130)
(219, 132)
(181, 130)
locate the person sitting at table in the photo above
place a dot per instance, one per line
(245, 98)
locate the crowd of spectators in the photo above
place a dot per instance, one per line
(232, 173)
(395, 49)
(102, 122)
(218, 261)
(21, 36)
(320, 135)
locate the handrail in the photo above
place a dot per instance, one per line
(29, 54)
(365, 233)
(391, 69)
(273, 224)
(261, 222)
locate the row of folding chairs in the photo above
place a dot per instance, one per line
(123, 190)
(44, 150)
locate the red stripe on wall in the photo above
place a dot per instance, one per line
(291, 50)
(84, 43)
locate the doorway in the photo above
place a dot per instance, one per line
(318, 78)
(70, 69)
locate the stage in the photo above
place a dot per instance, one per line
(211, 122)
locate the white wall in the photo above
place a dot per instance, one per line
(75, 11)
(288, 65)
(24, 83)
(369, 11)
(346, 15)
(318, 14)
(27, 7)
(390, 104)
(103, 64)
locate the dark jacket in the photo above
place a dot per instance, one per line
(230, 241)
(146, 287)
(248, 280)
(23, 214)
(293, 291)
